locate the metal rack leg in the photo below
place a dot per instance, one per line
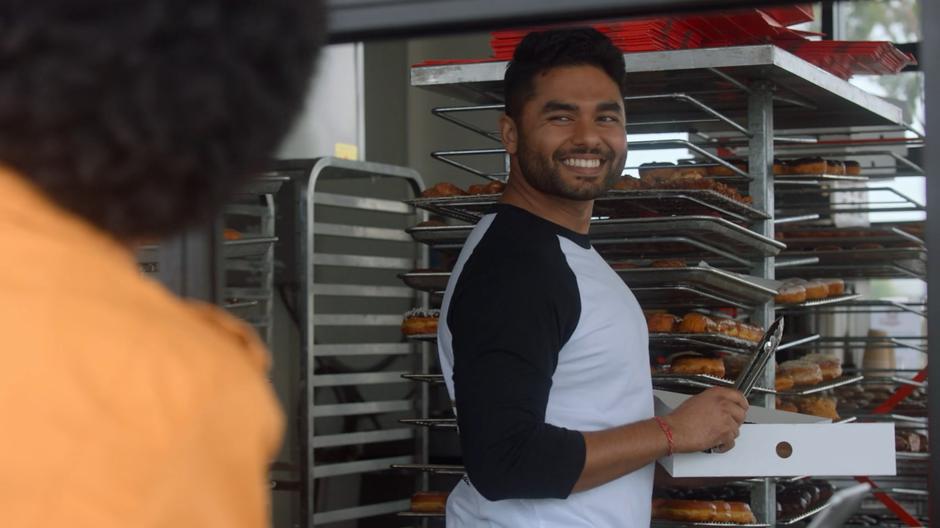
(761, 155)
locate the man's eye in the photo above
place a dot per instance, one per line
(560, 118)
(609, 119)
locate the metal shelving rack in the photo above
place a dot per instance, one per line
(349, 307)
(749, 91)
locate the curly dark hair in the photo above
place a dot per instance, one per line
(142, 115)
(543, 50)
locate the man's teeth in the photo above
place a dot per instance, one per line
(585, 163)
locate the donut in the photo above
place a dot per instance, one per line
(420, 321)
(802, 372)
(853, 168)
(696, 323)
(786, 405)
(790, 294)
(684, 510)
(443, 189)
(652, 172)
(741, 513)
(821, 406)
(623, 265)
(493, 187)
(813, 165)
(735, 364)
(729, 327)
(750, 332)
(629, 183)
(836, 286)
(835, 167)
(661, 323)
(816, 290)
(429, 502)
(829, 365)
(698, 365)
(783, 382)
(231, 234)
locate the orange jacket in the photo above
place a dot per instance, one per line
(120, 404)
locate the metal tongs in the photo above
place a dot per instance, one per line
(765, 350)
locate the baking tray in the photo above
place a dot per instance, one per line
(420, 515)
(717, 232)
(697, 381)
(438, 469)
(425, 378)
(431, 423)
(615, 204)
(686, 295)
(816, 178)
(803, 516)
(427, 338)
(913, 457)
(700, 342)
(717, 281)
(684, 524)
(428, 281)
(676, 202)
(835, 299)
(247, 247)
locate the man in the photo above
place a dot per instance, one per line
(543, 348)
(124, 121)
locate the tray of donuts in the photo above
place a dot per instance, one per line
(865, 252)
(801, 293)
(676, 271)
(697, 331)
(629, 197)
(886, 236)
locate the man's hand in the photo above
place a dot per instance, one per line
(710, 419)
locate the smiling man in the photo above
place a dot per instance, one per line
(544, 349)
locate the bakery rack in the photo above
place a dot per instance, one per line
(344, 219)
(750, 93)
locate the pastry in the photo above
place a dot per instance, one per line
(790, 294)
(696, 323)
(807, 166)
(821, 406)
(429, 502)
(420, 321)
(721, 170)
(651, 172)
(735, 364)
(750, 332)
(698, 365)
(835, 167)
(661, 323)
(443, 189)
(493, 187)
(783, 382)
(786, 405)
(741, 513)
(868, 245)
(666, 263)
(728, 327)
(836, 286)
(831, 366)
(802, 372)
(231, 234)
(853, 168)
(816, 290)
(690, 169)
(629, 183)
(623, 265)
(684, 510)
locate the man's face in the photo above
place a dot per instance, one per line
(570, 140)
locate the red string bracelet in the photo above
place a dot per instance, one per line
(668, 432)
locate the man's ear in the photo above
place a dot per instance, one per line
(509, 133)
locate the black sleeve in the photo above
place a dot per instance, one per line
(509, 322)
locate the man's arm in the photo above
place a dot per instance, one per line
(707, 420)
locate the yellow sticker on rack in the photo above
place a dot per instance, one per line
(346, 151)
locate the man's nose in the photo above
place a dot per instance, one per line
(586, 133)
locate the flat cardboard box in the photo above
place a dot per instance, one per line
(783, 444)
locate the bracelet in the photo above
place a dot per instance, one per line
(668, 432)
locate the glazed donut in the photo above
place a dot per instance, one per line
(661, 322)
(729, 327)
(829, 365)
(668, 263)
(696, 323)
(419, 321)
(853, 168)
(629, 183)
(790, 294)
(813, 165)
(684, 510)
(783, 382)
(443, 189)
(429, 502)
(816, 289)
(802, 372)
(698, 365)
(821, 406)
(836, 286)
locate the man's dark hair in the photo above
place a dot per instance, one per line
(141, 116)
(540, 51)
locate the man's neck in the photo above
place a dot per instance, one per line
(572, 214)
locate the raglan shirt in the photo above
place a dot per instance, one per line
(540, 339)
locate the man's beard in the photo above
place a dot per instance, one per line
(543, 174)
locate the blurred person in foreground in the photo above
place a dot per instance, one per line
(122, 121)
